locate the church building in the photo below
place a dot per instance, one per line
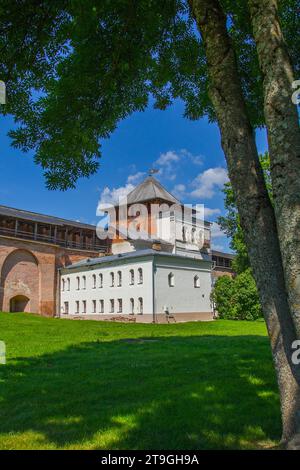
(160, 266)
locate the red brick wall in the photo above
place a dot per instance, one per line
(219, 271)
(20, 276)
(30, 269)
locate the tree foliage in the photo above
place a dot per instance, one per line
(237, 298)
(74, 69)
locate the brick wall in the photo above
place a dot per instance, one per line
(30, 269)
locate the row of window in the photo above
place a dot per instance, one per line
(81, 282)
(115, 306)
(171, 280)
(114, 280)
(222, 262)
(192, 235)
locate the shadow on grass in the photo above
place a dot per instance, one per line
(198, 392)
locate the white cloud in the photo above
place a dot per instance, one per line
(206, 184)
(216, 231)
(179, 190)
(113, 196)
(195, 159)
(208, 212)
(167, 158)
(170, 162)
(135, 178)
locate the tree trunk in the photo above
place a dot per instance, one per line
(254, 205)
(284, 140)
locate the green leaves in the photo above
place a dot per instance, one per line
(74, 69)
(237, 298)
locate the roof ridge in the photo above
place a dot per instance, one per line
(41, 214)
(161, 186)
(149, 189)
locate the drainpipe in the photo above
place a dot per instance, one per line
(58, 303)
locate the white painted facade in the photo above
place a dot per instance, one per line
(161, 281)
(107, 290)
(187, 236)
(190, 292)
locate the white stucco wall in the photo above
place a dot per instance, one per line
(125, 292)
(183, 297)
(122, 247)
(171, 229)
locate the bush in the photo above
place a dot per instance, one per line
(237, 298)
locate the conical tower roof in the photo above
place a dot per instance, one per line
(148, 190)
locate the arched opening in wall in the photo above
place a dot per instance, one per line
(20, 280)
(19, 303)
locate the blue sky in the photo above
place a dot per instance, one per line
(187, 153)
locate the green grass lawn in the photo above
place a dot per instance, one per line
(95, 385)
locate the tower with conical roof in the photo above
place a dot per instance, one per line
(157, 217)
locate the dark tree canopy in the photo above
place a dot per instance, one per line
(74, 69)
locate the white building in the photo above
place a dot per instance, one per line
(165, 275)
(145, 284)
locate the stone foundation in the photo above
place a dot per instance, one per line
(145, 318)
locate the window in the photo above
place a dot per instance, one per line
(101, 306)
(112, 279)
(131, 306)
(184, 234)
(94, 304)
(77, 282)
(171, 280)
(193, 235)
(112, 306)
(77, 306)
(94, 281)
(83, 282)
(140, 305)
(120, 305)
(131, 277)
(140, 276)
(63, 284)
(68, 283)
(66, 307)
(84, 306)
(196, 281)
(100, 280)
(119, 279)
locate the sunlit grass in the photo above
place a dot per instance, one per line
(82, 385)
